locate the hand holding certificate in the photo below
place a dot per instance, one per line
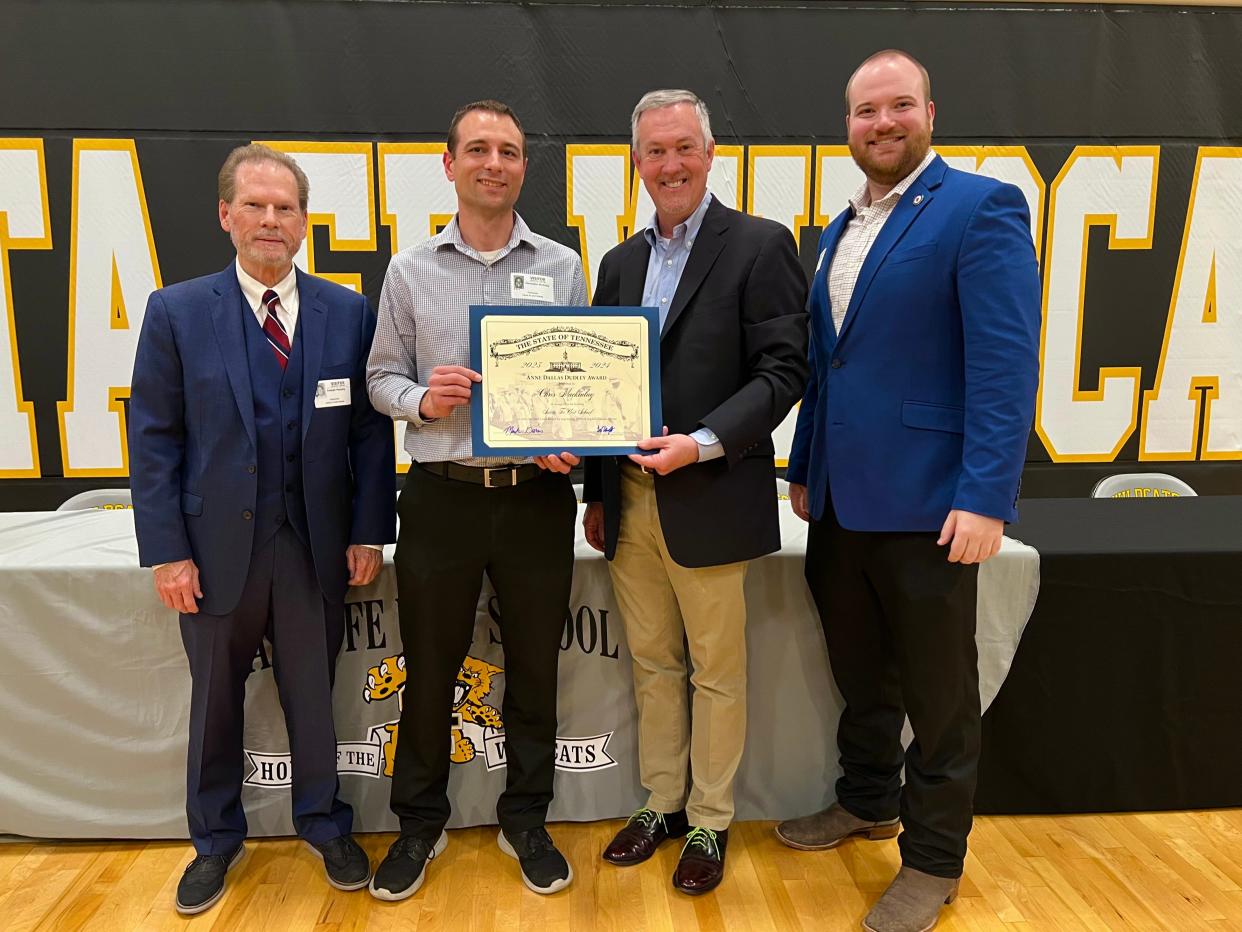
(558, 379)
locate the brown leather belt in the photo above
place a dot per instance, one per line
(490, 477)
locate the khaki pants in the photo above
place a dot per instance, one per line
(664, 606)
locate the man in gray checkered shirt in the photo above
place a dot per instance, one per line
(462, 515)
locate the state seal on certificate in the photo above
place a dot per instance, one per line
(576, 379)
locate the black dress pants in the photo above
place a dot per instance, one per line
(899, 620)
(451, 533)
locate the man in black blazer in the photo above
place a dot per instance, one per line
(680, 523)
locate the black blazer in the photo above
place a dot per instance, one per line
(733, 358)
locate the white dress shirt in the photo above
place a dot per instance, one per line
(286, 289)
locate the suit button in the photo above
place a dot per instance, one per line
(289, 457)
(247, 514)
(250, 469)
(288, 393)
(289, 487)
(292, 424)
(837, 363)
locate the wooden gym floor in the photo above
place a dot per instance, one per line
(1179, 871)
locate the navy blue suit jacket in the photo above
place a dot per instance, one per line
(192, 434)
(923, 402)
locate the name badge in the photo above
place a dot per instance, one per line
(531, 287)
(820, 263)
(331, 393)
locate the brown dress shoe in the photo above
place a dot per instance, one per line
(643, 833)
(702, 861)
(912, 902)
(829, 828)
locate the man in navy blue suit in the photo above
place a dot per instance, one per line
(263, 485)
(906, 461)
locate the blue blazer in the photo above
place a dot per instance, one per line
(192, 435)
(923, 402)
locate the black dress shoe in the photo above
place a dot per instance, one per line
(643, 833)
(203, 881)
(702, 861)
(344, 862)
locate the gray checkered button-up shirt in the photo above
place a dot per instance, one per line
(858, 238)
(424, 322)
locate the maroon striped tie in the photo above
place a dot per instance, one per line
(274, 330)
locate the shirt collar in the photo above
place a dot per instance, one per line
(252, 289)
(689, 228)
(451, 236)
(862, 199)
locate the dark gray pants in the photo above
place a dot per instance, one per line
(282, 599)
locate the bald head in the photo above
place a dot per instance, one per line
(889, 60)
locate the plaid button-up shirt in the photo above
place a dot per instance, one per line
(424, 322)
(859, 236)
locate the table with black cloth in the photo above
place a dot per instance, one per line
(1126, 691)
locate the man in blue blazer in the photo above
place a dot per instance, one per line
(906, 462)
(263, 485)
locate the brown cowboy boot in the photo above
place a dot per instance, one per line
(829, 828)
(912, 902)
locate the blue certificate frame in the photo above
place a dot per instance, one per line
(558, 379)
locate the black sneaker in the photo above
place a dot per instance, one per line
(403, 870)
(544, 869)
(203, 881)
(344, 862)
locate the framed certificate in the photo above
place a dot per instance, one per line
(577, 379)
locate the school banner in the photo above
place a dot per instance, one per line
(1122, 128)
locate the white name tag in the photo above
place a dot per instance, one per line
(531, 287)
(331, 393)
(820, 263)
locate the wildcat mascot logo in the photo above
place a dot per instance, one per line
(475, 723)
(477, 732)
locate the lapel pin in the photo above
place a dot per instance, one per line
(918, 199)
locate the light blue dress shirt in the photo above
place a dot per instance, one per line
(664, 268)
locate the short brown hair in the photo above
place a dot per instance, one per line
(491, 106)
(257, 152)
(890, 53)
